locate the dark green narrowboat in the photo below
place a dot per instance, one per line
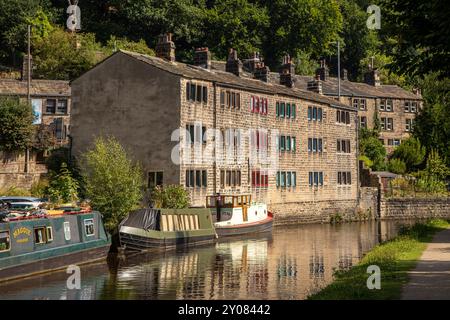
(164, 228)
(35, 245)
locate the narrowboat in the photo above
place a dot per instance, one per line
(38, 243)
(235, 215)
(146, 229)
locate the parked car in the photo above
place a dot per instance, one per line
(35, 202)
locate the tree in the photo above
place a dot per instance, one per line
(170, 197)
(306, 25)
(235, 24)
(432, 125)
(420, 28)
(16, 129)
(57, 56)
(371, 147)
(436, 166)
(44, 138)
(114, 184)
(115, 43)
(397, 166)
(411, 152)
(62, 186)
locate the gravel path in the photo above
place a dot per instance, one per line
(431, 277)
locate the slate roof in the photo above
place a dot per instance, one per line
(223, 78)
(38, 88)
(348, 88)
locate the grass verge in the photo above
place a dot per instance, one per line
(395, 258)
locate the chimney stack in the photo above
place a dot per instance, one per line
(315, 85)
(417, 91)
(287, 72)
(165, 48)
(202, 58)
(372, 77)
(234, 65)
(252, 64)
(24, 75)
(262, 72)
(323, 72)
(344, 74)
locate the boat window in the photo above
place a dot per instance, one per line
(49, 234)
(5, 244)
(67, 230)
(89, 227)
(40, 235)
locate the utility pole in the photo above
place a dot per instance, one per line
(339, 70)
(27, 150)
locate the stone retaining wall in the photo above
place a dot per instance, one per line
(401, 208)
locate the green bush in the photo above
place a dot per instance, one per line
(367, 162)
(39, 189)
(63, 188)
(170, 197)
(397, 166)
(16, 125)
(411, 152)
(114, 184)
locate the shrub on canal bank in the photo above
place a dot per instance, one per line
(395, 258)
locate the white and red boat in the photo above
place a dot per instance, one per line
(238, 215)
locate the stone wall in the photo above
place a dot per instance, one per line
(314, 212)
(401, 208)
(368, 201)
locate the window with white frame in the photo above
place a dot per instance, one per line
(89, 228)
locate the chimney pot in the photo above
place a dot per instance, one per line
(372, 78)
(287, 72)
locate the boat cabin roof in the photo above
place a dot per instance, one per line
(228, 201)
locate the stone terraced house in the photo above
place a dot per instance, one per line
(223, 131)
(394, 106)
(51, 101)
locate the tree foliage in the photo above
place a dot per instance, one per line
(411, 152)
(170, 197)
(371, 147)
(62, 188)
(114, 184)
(16, 129)
(57, 57)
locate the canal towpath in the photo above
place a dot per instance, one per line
(430, 279)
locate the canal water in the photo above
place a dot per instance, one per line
(289, 264)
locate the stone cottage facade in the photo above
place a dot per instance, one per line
(227, 131)
(51, 101)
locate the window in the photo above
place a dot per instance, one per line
(5, 243)
(260, 178)
(277, 109)
(359, 104)
(195, 134)
(382, 105)
(61, 106)
(344, 178)
(258, 105)
(390, 124)
(51, 106)
(396, 142)
(282, 109)
(315, 179)
(343, 146)
(382, 141)
(389, 105)
(286, 179)
(342, 116)
(49, 234)
(287, 143)
(40, 235)
(89, 227)
(197, 178)
(230, 178)
(155, 178)
(407, 106)
(67, 234)
(413, 105)
(409, 123)
(196, 92)
(315, 145)
(363, 121)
